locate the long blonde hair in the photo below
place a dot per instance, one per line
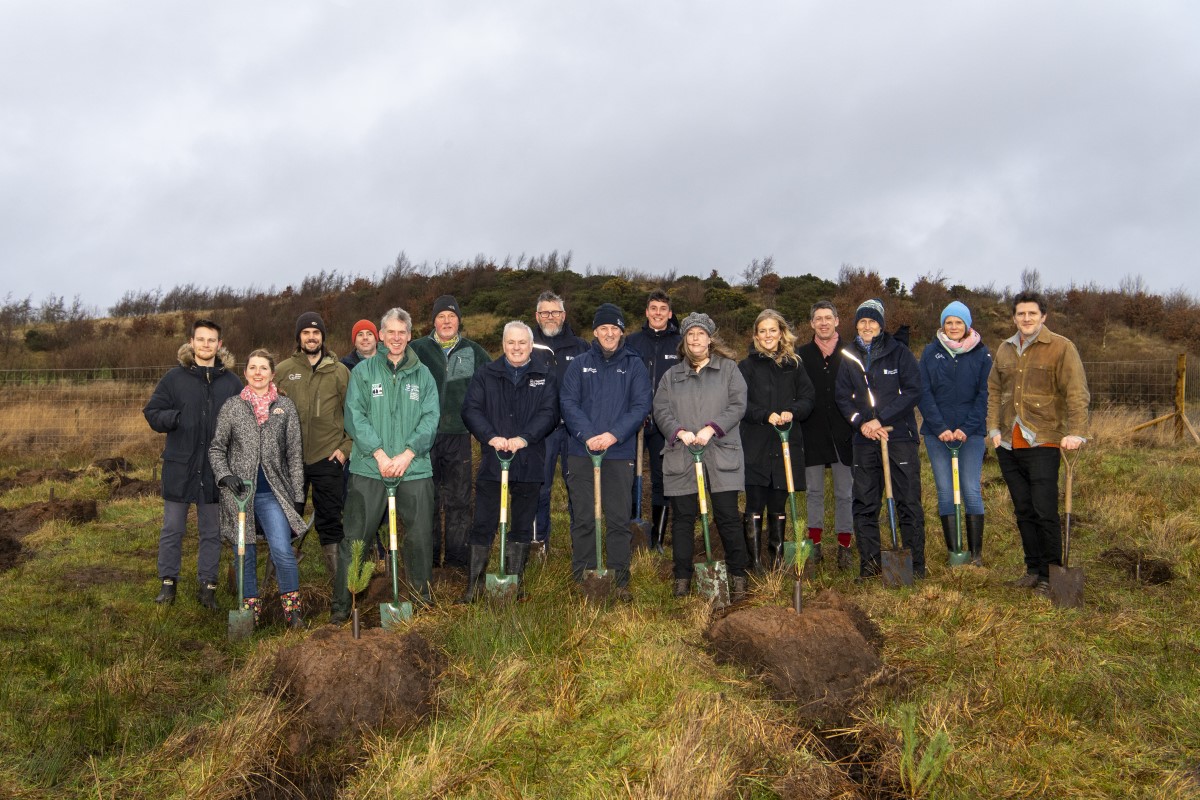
(785, 353)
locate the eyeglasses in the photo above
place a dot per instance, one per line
(549, 314)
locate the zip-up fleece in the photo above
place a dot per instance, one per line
(393, 409)
(601, 395)
(659, 349)
(320, 398)
(451, 374)
(886, 387)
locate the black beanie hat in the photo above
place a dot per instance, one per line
(446, 303)
(609, 314)
(310, 319)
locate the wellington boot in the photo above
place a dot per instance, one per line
(516, 555)
(752, 528)
(477, 557)
(948, 531)
(682, 587)
(776, 534)
(167, 593)
(206, 595)
(658, 528)
(975, 538)
(737, 588)
(845, 557)
(292, 611)
(330, 551)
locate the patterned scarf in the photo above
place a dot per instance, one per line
(261, 403)
(954, 348)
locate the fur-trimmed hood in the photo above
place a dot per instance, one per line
(187, 357)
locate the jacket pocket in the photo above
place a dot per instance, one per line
(724, 457)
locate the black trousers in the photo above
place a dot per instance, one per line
(327, 483)
(522, 507)
(451, 456)
(1032, 477)
(616, 482)
(723, 508)
(758, 497)
(868, 495)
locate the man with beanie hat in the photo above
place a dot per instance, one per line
(316, 382)
(365, 338)
(605, 398)
(878, 387)
(453, 361)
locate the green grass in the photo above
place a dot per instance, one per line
(106, 695)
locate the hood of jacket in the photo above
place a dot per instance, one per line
(187, 357)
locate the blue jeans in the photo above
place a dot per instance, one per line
(279, 536)
(970, 472)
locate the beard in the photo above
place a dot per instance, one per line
(311, 348)
(550, 330)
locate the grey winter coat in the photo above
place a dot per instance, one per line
(689, 400)
(240, 445)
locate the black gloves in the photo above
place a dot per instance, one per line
(233, 483)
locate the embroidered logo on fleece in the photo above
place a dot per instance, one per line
(376, 390)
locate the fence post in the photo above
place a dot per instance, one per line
(1180, 394)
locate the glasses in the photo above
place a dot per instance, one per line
(549, 314)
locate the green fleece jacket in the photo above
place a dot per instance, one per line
(452, 373)
(320, 398)
(393, 408)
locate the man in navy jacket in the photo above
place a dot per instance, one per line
(605, 398)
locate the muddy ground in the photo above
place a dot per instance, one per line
(16, 524)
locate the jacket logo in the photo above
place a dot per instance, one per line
(939, 355)
(891, 372)
(538, 382)
(620, 371)
(589, 369)
(376, 390)
(671, 357)
(277, 411)
(414, 391)
(295, 376)
(568, 358)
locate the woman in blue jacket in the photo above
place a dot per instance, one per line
(954, 397)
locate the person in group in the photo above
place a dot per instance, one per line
(877, 388)
(779, 393)
(257, 450)
(1037, 405)
(391, 414)
(604, 398)
(658, 345)
(827, 436)
(452, 360)
(365, 338)
(184, 406)
(700, 403)
(316, 382)
(510, 407)
(557, 346)
(954, 400)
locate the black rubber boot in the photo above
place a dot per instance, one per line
(207, 596)
(752, 528)
(516, 556)
(658, 528)
(330, 551)
(477, 557)
(776, 534)
(948, 531)
(975, 538)
(167, 593)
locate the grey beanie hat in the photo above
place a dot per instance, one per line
(697, 320)
(870, 309)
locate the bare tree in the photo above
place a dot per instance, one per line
(756, 270)
(1031, 280)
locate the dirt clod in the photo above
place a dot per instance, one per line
(817, 658)
(117, 464)
(125, 488)
(596, 589)
(1139, 566)
(341, 686)
(16, 524)
(32, 477)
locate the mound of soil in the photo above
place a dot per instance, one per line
(20, 522)
(1139, 566)
(341, 686)
(32, 477)
(127, 488)
(116, 464)
(818, 658)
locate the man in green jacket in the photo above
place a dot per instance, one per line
(316, 382)
(392, 416)
(453, 360)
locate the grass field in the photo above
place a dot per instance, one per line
(105, 695)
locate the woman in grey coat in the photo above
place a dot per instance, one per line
(700, 402)
(257, 449)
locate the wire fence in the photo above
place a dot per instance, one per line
(94, 413)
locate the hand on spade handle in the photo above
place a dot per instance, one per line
(873, 429)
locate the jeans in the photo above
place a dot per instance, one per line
(279, 537)
(556, 454)
(843, 495)
(906, 490)
(970, 472)
(1032, 477)
(616, 482)
(170, 540)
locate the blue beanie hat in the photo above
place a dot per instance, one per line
(870, 309)
(609, 314)
(956, 309)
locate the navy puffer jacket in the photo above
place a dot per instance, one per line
(954, 390)
(600, 395)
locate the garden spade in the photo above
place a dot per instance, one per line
(797, 551)
(241, 620)
(599, 573)
(897, 562)
(502, 584)
(712, 578)
(959, 555)
(1066, 582)
(637, 485)
(393, 613)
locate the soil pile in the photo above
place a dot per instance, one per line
(115, 464)
(819, 658)
(125, 488)
(16, 524)
(342, 687)
(32, 477)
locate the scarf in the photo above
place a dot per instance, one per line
(827, 349)
(261, 403)
(954, 348)
(447, 346)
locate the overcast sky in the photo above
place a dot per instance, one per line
(147, 144)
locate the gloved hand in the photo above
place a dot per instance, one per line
(233, 483)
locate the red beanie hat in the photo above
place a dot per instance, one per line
(363, 325)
